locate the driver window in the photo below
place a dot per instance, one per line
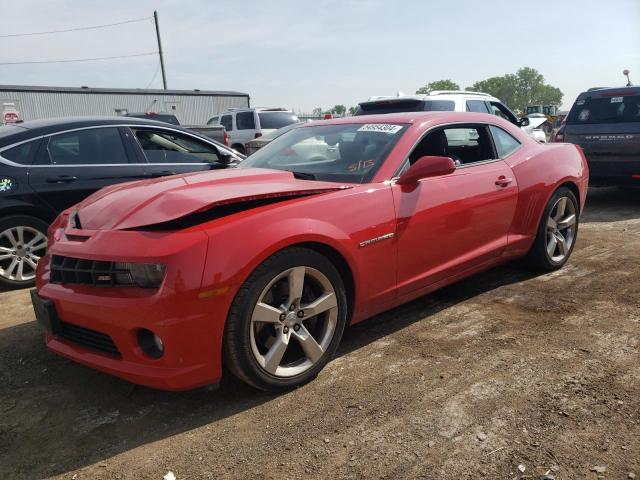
(464, 145)
(168, 147)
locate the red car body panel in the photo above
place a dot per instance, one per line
(394, 242)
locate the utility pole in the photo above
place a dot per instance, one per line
(164, 77)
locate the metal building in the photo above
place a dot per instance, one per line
(192, 107)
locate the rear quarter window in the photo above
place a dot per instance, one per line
(610, 109)
(22, 154)
(505, 143)
(245, 121)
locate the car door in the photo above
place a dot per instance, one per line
(453, 223)
(227, 122)
(71, 165)
(165, 151)
(245, 127)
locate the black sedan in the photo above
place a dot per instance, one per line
(49, 165)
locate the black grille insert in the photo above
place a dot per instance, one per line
(88, 272)
(88, 338)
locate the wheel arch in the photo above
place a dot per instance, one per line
(341, 263)
(28, 211)
(574, 189)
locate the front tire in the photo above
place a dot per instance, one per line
(286, 321)
(23, 240)
(557, 232)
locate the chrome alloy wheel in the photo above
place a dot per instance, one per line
(20, 249)
(294, 321)
(561, 229)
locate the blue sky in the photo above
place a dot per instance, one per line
(303, 54)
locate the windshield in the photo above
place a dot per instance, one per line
(275, 120)
(611, 109)
(350, 153)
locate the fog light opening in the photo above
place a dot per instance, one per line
(150, 343)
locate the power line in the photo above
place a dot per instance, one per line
(154, 77)
(94, 27)
(79, 59)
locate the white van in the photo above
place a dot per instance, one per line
(244, 124)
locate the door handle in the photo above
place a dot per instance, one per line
(503, 181)
(62, 179)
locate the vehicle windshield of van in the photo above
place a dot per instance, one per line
(610, 109)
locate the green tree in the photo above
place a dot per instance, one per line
(317, 112)
(339, 110)
(438, 85)
(352, 110)
(526, 87)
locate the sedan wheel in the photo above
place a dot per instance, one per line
(294, 321)
(21, 246)
(286, 320)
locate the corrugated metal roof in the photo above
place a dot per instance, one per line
(128, 91)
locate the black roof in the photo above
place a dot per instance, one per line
(609, 91)
(121, 91)
(34, 128)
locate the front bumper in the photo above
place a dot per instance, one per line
(189, 321)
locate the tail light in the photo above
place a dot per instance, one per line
(257, 135)
(225, 138)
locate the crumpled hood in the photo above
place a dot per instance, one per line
(149, 202)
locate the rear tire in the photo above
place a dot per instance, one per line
(286, 321)
(557, 232)
(23, 241)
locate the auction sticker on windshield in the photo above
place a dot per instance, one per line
(380, 127)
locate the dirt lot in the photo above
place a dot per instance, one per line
(504, 370)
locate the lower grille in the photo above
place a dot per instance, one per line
(88, 338)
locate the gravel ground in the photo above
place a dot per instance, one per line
(506, 375)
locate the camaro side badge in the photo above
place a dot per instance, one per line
(371, 241)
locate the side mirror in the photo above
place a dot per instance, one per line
(225, 157)
(524, 122)
(425, 167)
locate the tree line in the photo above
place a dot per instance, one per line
(518, 90)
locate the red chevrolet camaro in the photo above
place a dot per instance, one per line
(259, 267)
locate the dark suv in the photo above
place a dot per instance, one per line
(605, 122)
(47, 166)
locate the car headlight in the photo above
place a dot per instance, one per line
(145, 275)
